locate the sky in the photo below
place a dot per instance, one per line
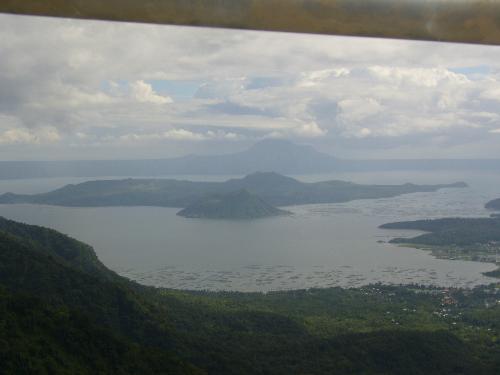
(72, 89)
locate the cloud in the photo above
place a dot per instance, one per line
(358, 109)
(144, 93)
(316, 77)
(427, 77)
(28, 136)
(309, 130)
(69, 82)
(491, 93)
(179, 135)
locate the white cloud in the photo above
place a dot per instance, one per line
(179, 135)
(363, 132)
(29, 136)
(486, 116)
(428, 77)
(81, 135)
(491, 93)
(61, 80)
(183, 135)
(358, 109)
(309, 130)
(144, 93)
(316, 77)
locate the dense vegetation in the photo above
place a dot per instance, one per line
(236, 205)
(450, 231)
(493, 205)
(275, 189)
(57, 317)
(63, 312)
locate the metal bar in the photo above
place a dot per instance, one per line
(467, 21)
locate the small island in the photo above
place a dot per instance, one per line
(493, 205)
(239, 204)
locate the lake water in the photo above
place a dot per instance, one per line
(319, 246)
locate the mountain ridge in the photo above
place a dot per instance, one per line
(275, 189)
(278, 155)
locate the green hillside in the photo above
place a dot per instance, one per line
(63, 312)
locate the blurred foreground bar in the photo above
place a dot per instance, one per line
(466, 21)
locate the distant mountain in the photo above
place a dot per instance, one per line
(493, 205)
(268, 155)
(283, 157)
(274, 188)
(235, 205)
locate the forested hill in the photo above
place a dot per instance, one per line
(236, 205)
(63, 249)
(61, 313)
(275, 189)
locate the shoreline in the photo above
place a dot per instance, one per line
(460, 253)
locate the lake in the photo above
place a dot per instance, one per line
(319, 246)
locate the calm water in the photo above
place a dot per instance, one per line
(320, 245)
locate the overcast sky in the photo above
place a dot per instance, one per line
(84, 89)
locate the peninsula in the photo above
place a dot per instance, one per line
(476, 239)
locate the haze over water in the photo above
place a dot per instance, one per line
(319, 246)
